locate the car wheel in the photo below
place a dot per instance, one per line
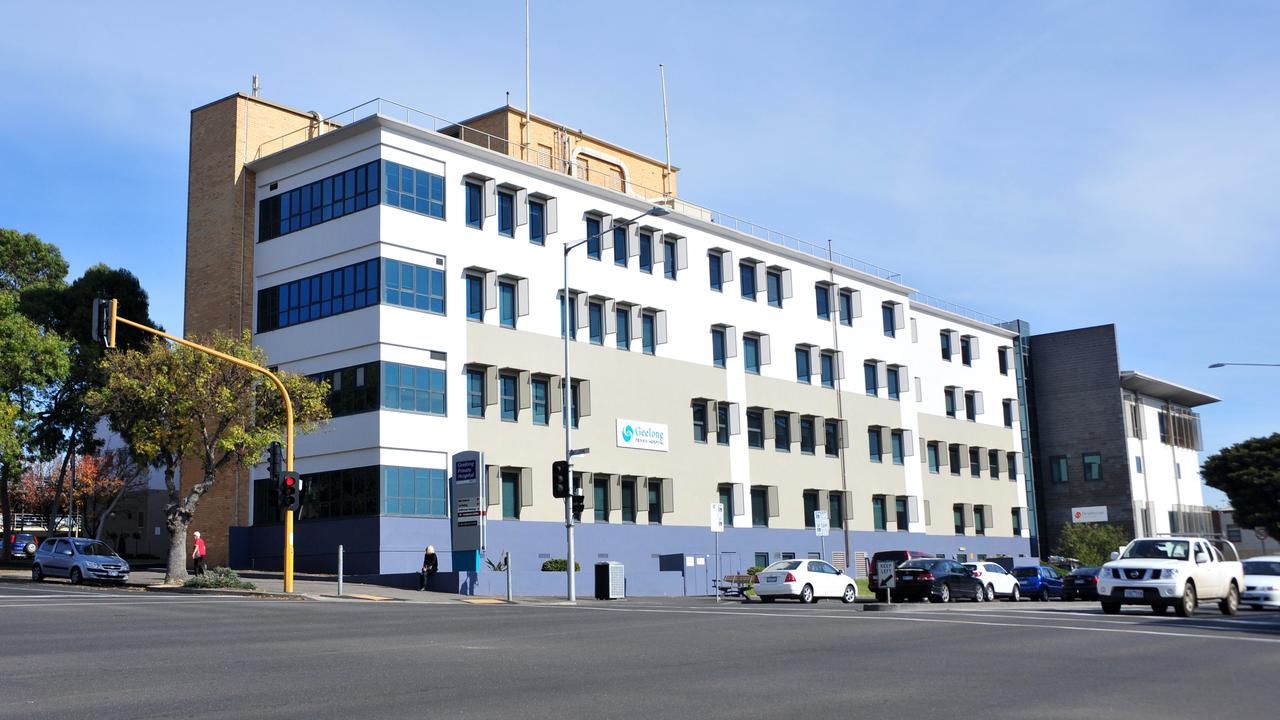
(76, 577)
(1159, 608)
(1110, 608)
(1187, 606)
(980, 595)
(1044, 595)
(1016, 595)
(943, 596)
(806, 594)
(850, 594)
(37, 575)
(1230, 604)
(991, 593)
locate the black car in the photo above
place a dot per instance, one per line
(1082, 583)
(898, 557)
(937, 579)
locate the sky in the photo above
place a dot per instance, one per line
(1066, 163)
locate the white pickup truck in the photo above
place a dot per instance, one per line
(1177, 572)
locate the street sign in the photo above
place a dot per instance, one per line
(1093, 513)
(884, 571)
(1260, 533)
(468, 496)
(821, 523)
(579, 451)
(717, 517)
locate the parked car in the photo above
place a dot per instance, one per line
(24, 545)
(79, 559)
(1175, 571)
(1082, 583)
(937, 579)
(805, 580)
(1039, 582)
(898, 557)
(1262, 582)
(997, 581)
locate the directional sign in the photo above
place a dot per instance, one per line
(884, 571)
(821, 524)
(717, 517)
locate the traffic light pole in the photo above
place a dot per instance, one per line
(288, 416)
(566, 411)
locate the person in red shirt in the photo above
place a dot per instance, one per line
(197, 554)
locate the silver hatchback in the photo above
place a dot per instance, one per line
(79, 559)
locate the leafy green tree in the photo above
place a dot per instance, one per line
(1091, 543)
(173, 403)
(1249, 473)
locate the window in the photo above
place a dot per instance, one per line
(540, 399)
(892, 383)
(979, 520)
(846, 307)
(655, 501)
(755, 429)
(620, 249)
(475, 205)
(506, 213)
(475, 298)
(1093, 466)
(648, 332)
(804, 371)
(888, 320)
(510, 494)
(1177, 471)
(507, 304)
(669, 259)
(950, 401)
(827, 361)
(782, 432)
(773, 287)
(1013, 465)
(762, 559)
(836, 512)
(1003, 358)
(975, 462)
(1016, 515)
(822, 292)
(341, 493)
(319, 296)
(352, 390)
(725, 493)
(747, 279)
(1007, 409)
(751, 354)
(408, 189)
(873, 442)
(807, 436)
(957, 516)
(600, 493)
(413, 389)
(902, 515)
(595, 321)
(629, 501)
(722, 424)
(966, 350)
(575, 402)
(718, 349)
(759, 507)
(412, 491)
(945, 335)
(475, 393)
(993, 464)
(646, 252)
(810, 507)
(971, 406)
(509, 403)
(699, 421)
(870, 376)
(715, 267)
(878, 513)
(1058, 469)
(324, 200)
(1138, 464)
(572, 306)
(897, 447)
(622, 329)
(537, 222)
(413, 286)
(593, 238)
(831, 435)
(953, 459)
(932, 450)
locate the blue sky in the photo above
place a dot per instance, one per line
(1070, 164)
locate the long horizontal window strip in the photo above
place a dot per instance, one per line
(311, 298)
(413, 190)
(414, 491)
(319, 202)
(340, 493)
(413, 389)
(352, 390)
(413, 286)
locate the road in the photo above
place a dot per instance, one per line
(90, 653)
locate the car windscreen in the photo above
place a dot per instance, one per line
(94, 548)
(1085, 571)
(918, 565)
(1261, 567)
(783, 565)
(1024, 572)
(1157, 550)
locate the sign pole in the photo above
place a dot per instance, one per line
(715, 585)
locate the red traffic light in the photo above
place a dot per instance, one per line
(290, 481)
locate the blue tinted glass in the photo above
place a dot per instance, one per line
(620, 246)
(593, 238)
(537, 227)
(475, 206)
(506, 214)
(646, 252)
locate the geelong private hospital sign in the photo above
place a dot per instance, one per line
(642, 435)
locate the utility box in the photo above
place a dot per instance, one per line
(611, 581)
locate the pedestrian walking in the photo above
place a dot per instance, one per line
(198, 553)
(430, 566)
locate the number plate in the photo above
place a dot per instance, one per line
(772, 579)
(1133, 594)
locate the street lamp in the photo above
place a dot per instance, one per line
(1218, 365)
(567, 389)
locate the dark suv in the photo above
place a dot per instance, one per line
(898, 557)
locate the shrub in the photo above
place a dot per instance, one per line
(754, 570)
(1091, 543)
(219, 577)
(559, 565)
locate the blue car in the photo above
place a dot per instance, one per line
(1039, 582)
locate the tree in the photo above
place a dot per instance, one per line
(1249, 473)
(171, 403)
(1091, 543)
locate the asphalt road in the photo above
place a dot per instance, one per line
(85, 653)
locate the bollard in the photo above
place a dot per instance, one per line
(339, 571)
(506, 560)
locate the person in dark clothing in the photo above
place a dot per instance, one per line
(430, 566)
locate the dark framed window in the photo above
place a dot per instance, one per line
(827, 361)
(1013, 466)
(808, 436)
(873, 444)
(755, 429)
(593, 238)
(507, 397)
(773, 287)
(870, 379)
(700, 422)
(846, 307)
(537, 222)
(1058, 469)
(507, 304)
(804, 372)
(595, 321)
(646, 251)
(957, 518)
(414, 491)
(475, 393)
(600, 490)
(475, 298)
(648, 333)
(319, 296)
(782, 432)
(979, 520)
(628, 501)
(878, 519)
(715, 268)
(539, 391)
(340, 493)
(831, 435)
(888, 320)
(510, 494)
(953, 459)
(945, 338)
(897, 447)
(722, 424)
(475, 205)
(901, 515)
(352, 390)
(822, 292)
(1016, 515)
(810, 507)
(835, 502)
(993, 464)
(751, 354)
(1002, 358)
(413, 190)
(413, 286)
(970, 407)
(669, 259)
(724, 494)
(950, 401)
(893, 383)
(321, 201)
(1093, 466)
(413, 389)
(575, 394)
(506, 213)
(975, 462)
(1007, 409)
(759, 507)
(747, 280)
(966, 350)
(620, 257)
(572, 323)
(934, 460)
(718, 349)
(655, 501)
(622, 329)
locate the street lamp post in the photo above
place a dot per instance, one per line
(1218, 365)
(567, 388)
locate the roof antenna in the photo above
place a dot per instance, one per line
(255, 86)
(666, 132)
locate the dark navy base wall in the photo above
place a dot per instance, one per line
(656, 557)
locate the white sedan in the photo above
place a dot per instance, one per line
(805, 580)
(996, 581)
(1262, 582)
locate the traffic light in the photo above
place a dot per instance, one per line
(578, 504)
(291, 491)
(275, 462)
(104, 322)
(560, 479)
